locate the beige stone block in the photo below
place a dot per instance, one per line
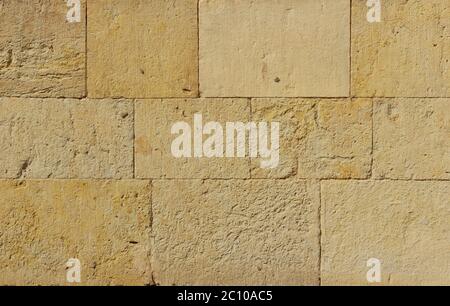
(404, 224)
(406, 54)
(319, 138)
(154, 121)
(142, 49)
(52, 138)
(235, 232)
(266, 48)
(41, 53)
(104, 224)
(412, 138)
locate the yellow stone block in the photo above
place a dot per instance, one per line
(412, 138)
(154, 138)
(41, 53)
(406, 54)
(266, 48)
(319, 138)
(402, 224)
(103, 224)
(142, 49)
(66, 138)
(235, 232)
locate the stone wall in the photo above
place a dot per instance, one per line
(86, 170)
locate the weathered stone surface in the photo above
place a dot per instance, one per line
(318, 138)
(412, 138)
(51, 138)
(154, 120)
(403, 224)
(41, 54)
(104, 224)
(235, 232)
(142, 49)
(407, 54)
(285, 48)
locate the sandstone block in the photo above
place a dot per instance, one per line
(412, 138)
(239, 232)
(407, 54)
(51, 138)
(104, 224)
(154, 121)
(41, 53)
(404, 224)
(319, 138)
(142, 49)
(285, 48)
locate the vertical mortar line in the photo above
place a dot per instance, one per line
(198, 48)
(320, 232)
(350, 53)
(373, 140)
(249, 158)
(86, 49)
(150, 252)
(134, 138)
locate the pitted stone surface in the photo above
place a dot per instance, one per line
(407, 54)
(104, 224)
(66, 138)
(266, 48)
(412, 138)
(404, 224)
(41, 54)
(142, 49)
(154, 120)
(319, 138)
(235, 232)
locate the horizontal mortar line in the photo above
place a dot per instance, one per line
(199, 98)
(43, 98)
(397, 97)
(386, 180)
(277, 97)
(74, 179)
(169, 98)
(223, 179)
(157, 179)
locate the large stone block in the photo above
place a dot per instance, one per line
(154, 121)
(266, 48)
(103, 224)
(318, 138)
(52, 138)
(407, 54)
(41, 53)
(405, 225)
(239, 232)
(412, 138)
(142, 49)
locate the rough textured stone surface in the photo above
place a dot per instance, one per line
(284, 48)
(318, 138)
(154, 120)
(41, 54)
(235, 232)
(142, 49)
(50, 138)
(364, 163)
(403, 224)
(407, 54)
(104, 224)
(412, 138)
